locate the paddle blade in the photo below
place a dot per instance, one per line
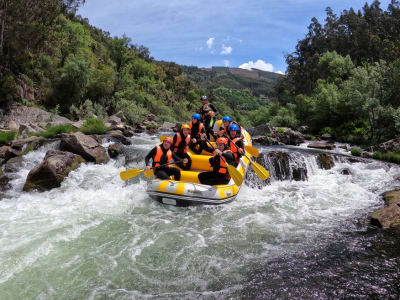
(162, 138)
(260, 170)
(235, 174)
(253, 151)
(149, 173)
(128, 174)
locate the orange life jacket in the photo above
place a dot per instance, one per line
(201, 126)
(160, 155)
(235, 149)
(179, 140)
(223, 168)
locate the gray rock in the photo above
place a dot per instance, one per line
(391, 145)
(391, 197)
(14, 164)
(52, 171)
(86, 146)
(4, 181)
(319, 145)
(266, 141)
(119, 136)
(345, 172)
(6, 152)
(387, 217)
(34, 141)
(114, 150)
(114, 120)
(262, 130)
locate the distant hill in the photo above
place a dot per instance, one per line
(260, 83)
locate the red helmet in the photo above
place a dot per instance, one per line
(168, 139)
(222, 140)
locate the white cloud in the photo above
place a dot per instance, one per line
(226, 63)
(226, 50)
(259, 64)
(210, 42)
(280, 72)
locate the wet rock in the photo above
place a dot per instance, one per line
(33, 141)
(345, 172)
(291, 137)
(366, 154)
(387, 217)
(6, 152)
(319, 145)
(116, 134)
(343, 147)
(326, 137)
(52, 171)
(4, 181)
(14, 164)
(114, 120)
(86, 146)
(114, 150)
(262, 130)
(303, 129)
(266, 141)
(325, 161)
(284, 166)
(391, 197)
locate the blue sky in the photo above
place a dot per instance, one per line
(208, 33)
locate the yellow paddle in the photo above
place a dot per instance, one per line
(253, 151)
(233, 172)
(261, 172)
(131, 173)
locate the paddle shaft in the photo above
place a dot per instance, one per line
(170, 163)
(223, 158)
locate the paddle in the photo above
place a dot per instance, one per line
(261, 172)
(253, 151)
(233, 172)
(131, 173)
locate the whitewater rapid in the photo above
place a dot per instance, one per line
(97, 237)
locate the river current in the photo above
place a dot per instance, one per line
(97, 237)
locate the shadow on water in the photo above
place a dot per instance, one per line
(361, 262)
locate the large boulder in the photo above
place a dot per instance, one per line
(387, 217)
(34, 141)
(19, 114)
(325, 161)
(262, 130)
(266, 141)
(4, 179)
(268, 135)
(6, 152)
(116, 134)
(14, 164)
(391, 197)
(114, 150)
(291, 137)
(52, 171)
(86, 146)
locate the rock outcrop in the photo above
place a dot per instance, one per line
(388, 216)
(34, 141)
(321, 145)
(86, 146)
(114, 150)
(7, 152)
(52, 171)
(325, 161)
(391, 145)
(268, 135)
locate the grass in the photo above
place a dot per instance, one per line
(356, 152)
(94, 126)
(393, 157)
(52, 131)
(310, 137)
(5, 137)
(280, 130)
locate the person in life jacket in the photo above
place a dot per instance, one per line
(222, 156)
(208, 113)
(162, 155)
(180, 147)
(236, 143)
(197, 134)
(223, 130)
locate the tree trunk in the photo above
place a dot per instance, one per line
(3, 12)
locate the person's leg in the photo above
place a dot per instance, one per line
(216, 179)
(174, 172)
(194, 148)
(161, 174)
(203, 176)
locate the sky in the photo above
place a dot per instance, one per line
(205, 33)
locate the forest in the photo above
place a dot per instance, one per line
(343, 77)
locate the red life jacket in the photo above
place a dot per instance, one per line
(201, 126)
(160, 155)
(179, 141)
(235, 149)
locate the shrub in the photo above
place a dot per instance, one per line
(52, 131)
(310, 137)
(94, 126)
(280, 130)
(356, 152)
(378, 155)
(5, 137)
(392, 157)
(88, 110)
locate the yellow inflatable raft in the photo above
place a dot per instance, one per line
(188, 191)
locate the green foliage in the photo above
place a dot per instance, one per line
(88, 110)
(378, 155)
(52, 131)
(5, 137)
(280, 130)
(393, 157)
(94, 126)
(310, 137)
(327, 130)
(356, 151)
(28, 149)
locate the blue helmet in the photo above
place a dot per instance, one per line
(234, 127)
(196, 116)
(226, 119)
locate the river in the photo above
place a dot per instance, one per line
(97, 237)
